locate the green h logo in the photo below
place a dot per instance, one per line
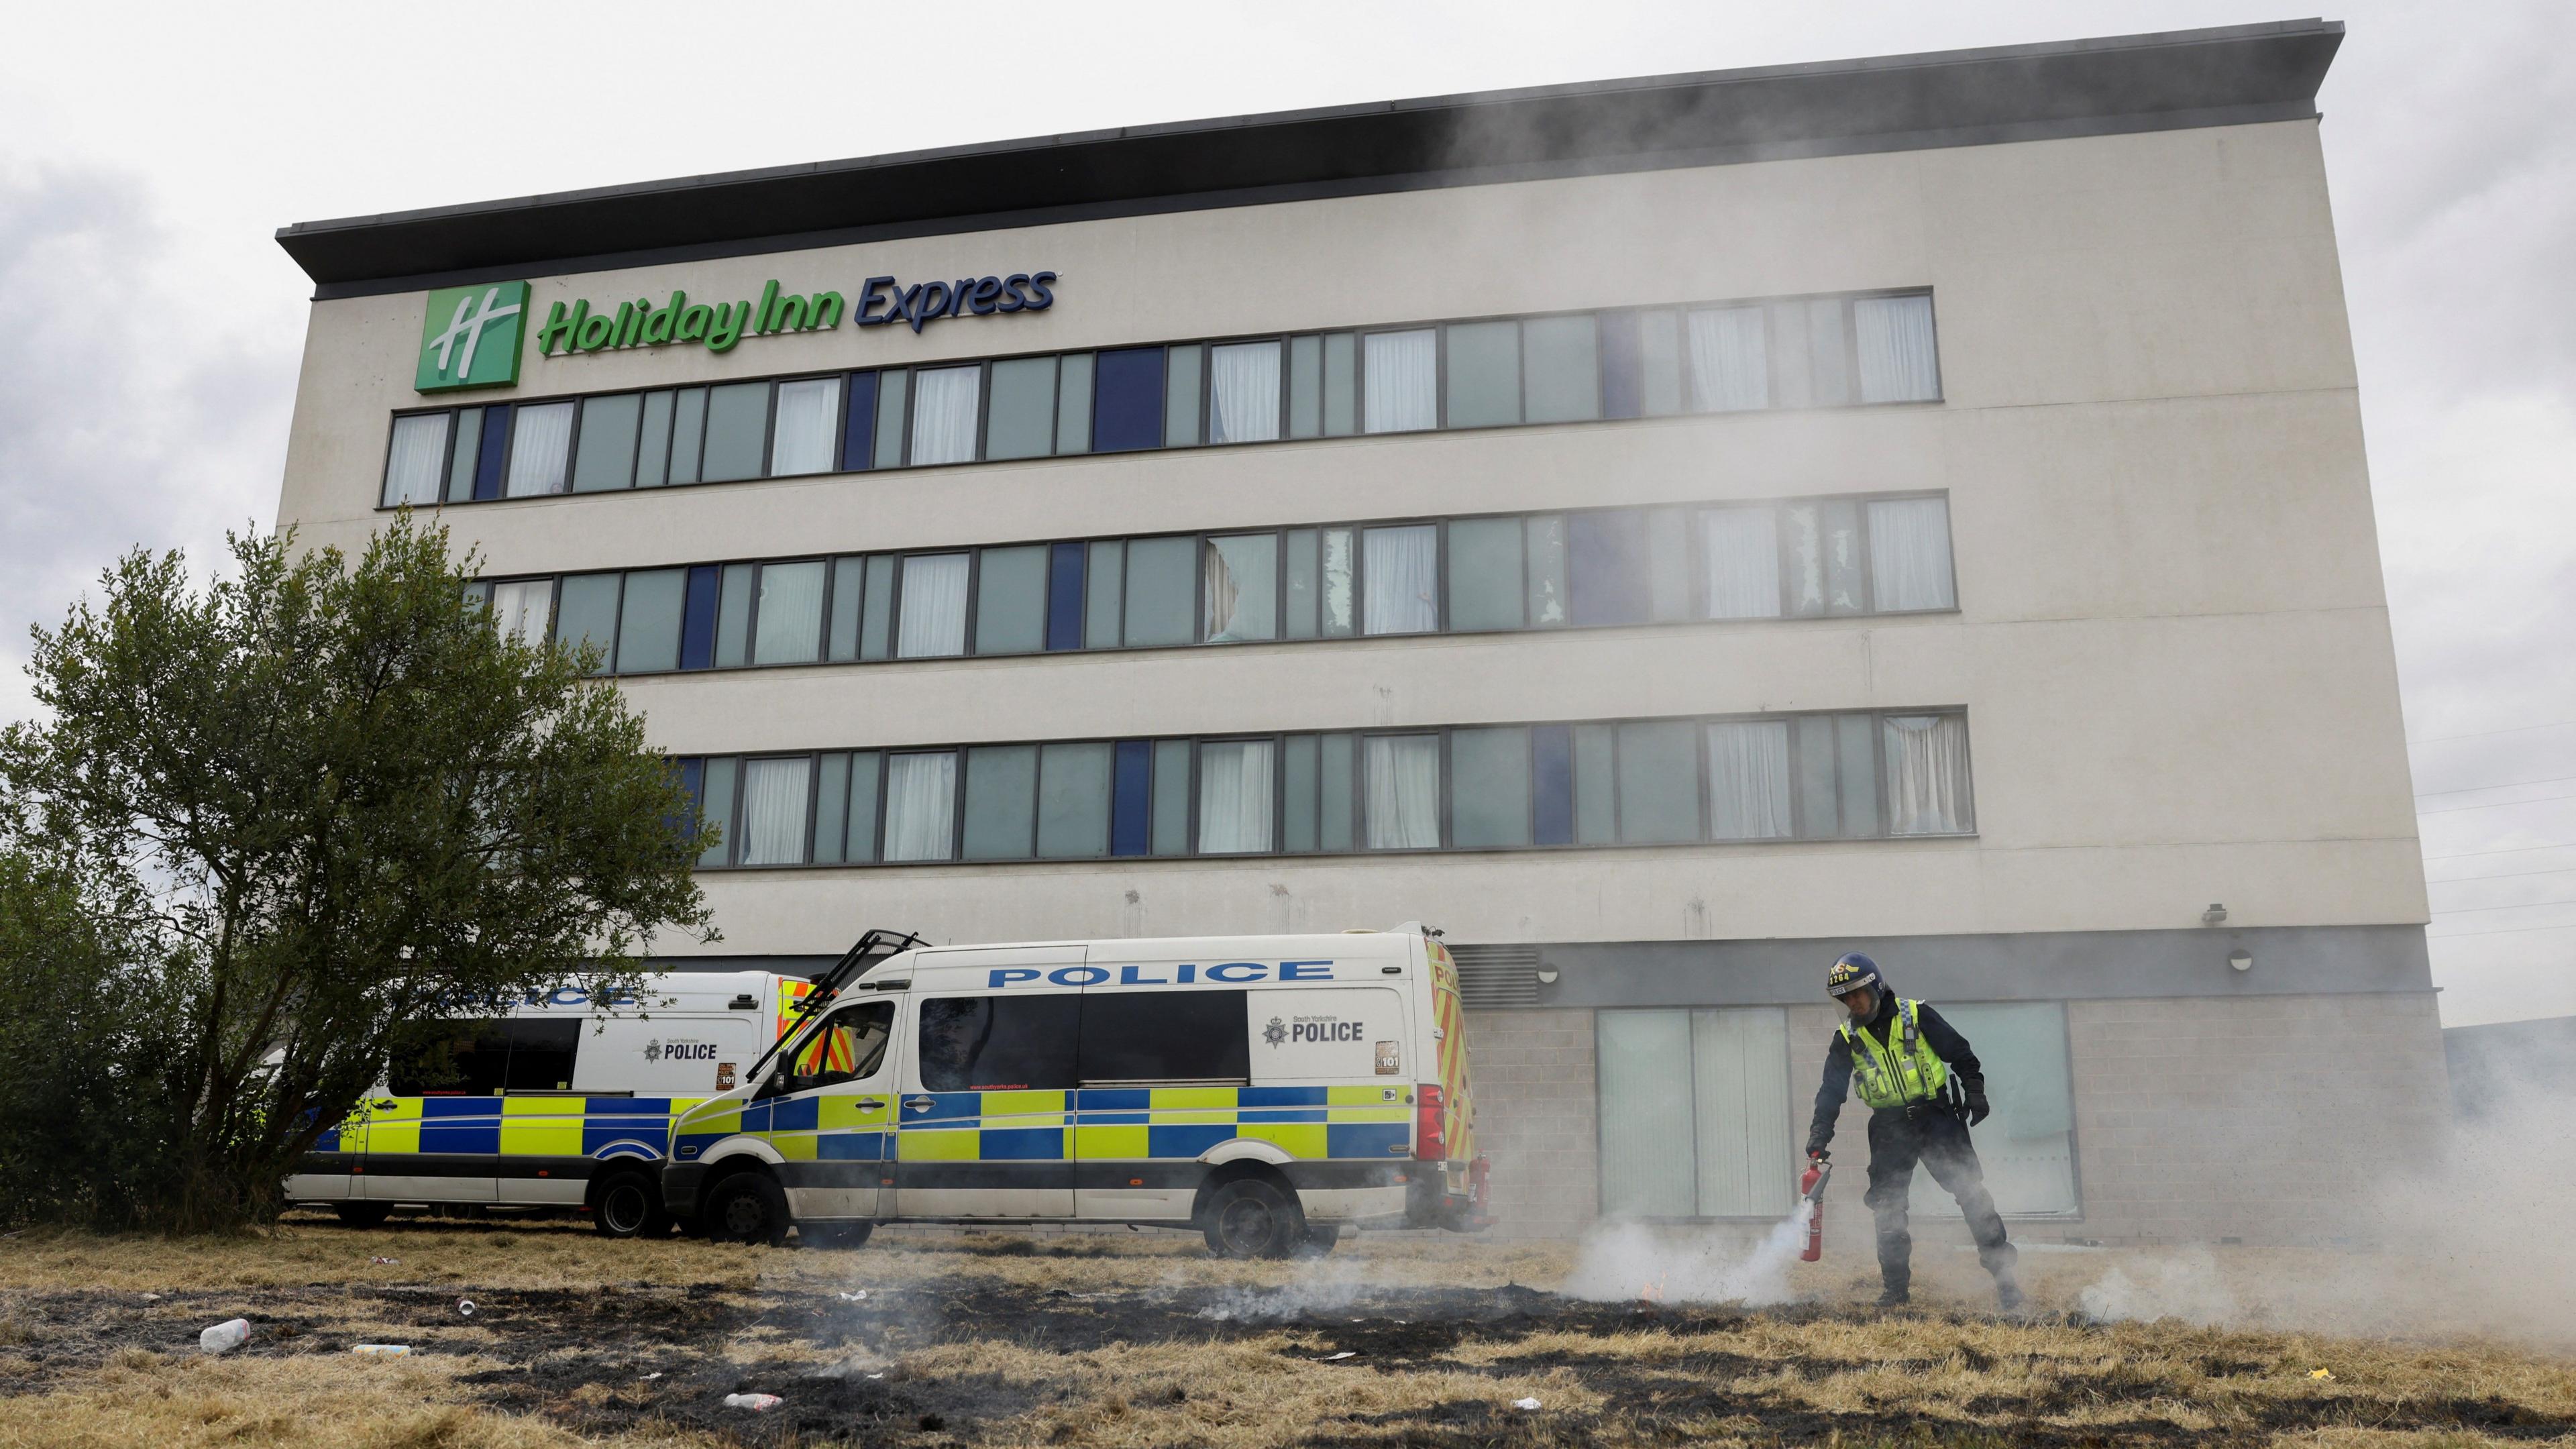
(469, 337)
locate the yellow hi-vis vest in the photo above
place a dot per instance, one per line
(1893, 1073)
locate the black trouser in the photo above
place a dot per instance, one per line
(1935, 1136)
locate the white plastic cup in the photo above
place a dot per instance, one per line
(753, 1402)
(225, 1336)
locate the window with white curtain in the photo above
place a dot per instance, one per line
(1243, 393)
(1927, 775)
(1695, 1113)
(1403, 792)
(1400, 573)
(1741, 547)
(1909, 554)
(921, 806)
(2027, 1148)
(1897, 360)
(1748, 780)
(773, 811)
(540, 448)
(1235, 794)
(524, 610)
(1401, 387)
(1241, 588)
(790, 627)
(931, 624)
(807, 424)
(1730, 369)
(946, 403)
(417, 463)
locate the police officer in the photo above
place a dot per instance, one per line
(1924, 1090)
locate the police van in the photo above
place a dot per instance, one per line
(558, 1102)
(1264, 1090)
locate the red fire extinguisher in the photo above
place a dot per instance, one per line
(1811, 1188)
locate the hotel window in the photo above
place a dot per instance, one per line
(920, 805)
(1483, 787)
(1021, 421)
(605, 456)
(788, 626)
(649, 620)
(1235, 788)
(1400, 569)
(1243, 392)
(540, 447)
(1400, 374)
(1241, 589)
(2027, 1148)
(1729, 360)
(716, 805)
(1162, 591)
(945, 405)
(524, 609)
(807, 427)
(737, 429)
(1695, 1113)
(586, 615)
(774, 799)
(416, 463)
(1011, 600)
(931, 622)
(1127, 400)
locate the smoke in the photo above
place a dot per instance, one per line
(1326, 1286)
(2188, 1286)
(1629, 1260)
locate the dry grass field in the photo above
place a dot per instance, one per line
(1082, 1339)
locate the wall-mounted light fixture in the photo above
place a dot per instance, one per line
(1547, 976)
(2214, 915)
(2241, 959)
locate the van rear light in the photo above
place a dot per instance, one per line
(1430, 1130)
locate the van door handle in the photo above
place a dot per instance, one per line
(388, 1104)
(919, 1104)
(873, 1104)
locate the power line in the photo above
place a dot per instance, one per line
(2504, 850)
(2500, 875)
(2498, 931)
(2498, 804)
(2524, 906)
(2507, 785)
(2483, 734)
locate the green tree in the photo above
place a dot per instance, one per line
(293, 813)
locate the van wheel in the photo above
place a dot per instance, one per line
(629, 1205)
(747, 1208)
(1319, 1240)
(833, 1235)
(363, 1214)
(1249, 1218)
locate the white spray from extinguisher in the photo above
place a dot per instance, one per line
(1632, 1260)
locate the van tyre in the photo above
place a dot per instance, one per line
(1319, 1240)
(747, 1208)
(363, 1214)
(1250, 1218)
(834, 1235)
(629, 1205)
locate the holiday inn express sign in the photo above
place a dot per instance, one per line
(470, 336)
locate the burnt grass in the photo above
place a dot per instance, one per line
(598, 1361)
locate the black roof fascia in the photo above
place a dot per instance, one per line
(2228, 76)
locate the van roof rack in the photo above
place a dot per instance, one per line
(875, 946)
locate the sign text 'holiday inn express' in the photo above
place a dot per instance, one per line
(470, 336)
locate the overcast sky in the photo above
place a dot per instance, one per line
(147, 154)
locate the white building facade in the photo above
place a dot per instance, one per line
(1663, 533)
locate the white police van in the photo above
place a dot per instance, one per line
(1266, 1090)
(558, 1102)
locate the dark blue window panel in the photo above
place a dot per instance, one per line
(1552, 783)
(859, 423)
(1131, 791)
(1605, 567)
(1127, 400)
(487, 463)
(1064, 597)
(1623, 366)
(698, 618)
(693, 782)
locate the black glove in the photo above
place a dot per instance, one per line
(1978, 1110)
(1817, 1150)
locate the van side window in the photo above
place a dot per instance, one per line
(999, 1043)
(849, 1048)
(484, 1058)
(1164, 1036)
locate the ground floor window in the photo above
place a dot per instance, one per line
(2028, 1146)
(1695, 1113)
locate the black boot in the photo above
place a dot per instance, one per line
(2008, 1295)
(1893, 1296)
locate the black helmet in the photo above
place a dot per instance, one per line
(1851, 971)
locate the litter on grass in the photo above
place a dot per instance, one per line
(224, 1336)
(2327, 1374)
(381, 1350)
(754, 1402)
(648, 1378)
(465, 1306)
(1525, 1405)
(859, 1297)
(1338, 1357)
(383, 1261)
